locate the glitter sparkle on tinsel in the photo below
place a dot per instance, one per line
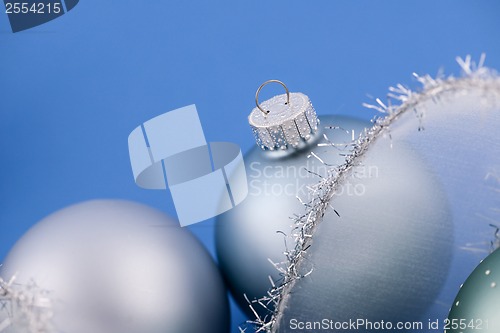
(25, 307)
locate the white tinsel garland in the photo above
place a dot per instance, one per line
(26, 308)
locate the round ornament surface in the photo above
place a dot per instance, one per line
(438, 224)
(113, 266)
(477, 305)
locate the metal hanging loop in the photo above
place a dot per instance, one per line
(266, 112)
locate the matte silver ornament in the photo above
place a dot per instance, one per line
(114, 266)
(452, 125)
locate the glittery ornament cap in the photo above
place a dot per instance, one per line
(284, 125)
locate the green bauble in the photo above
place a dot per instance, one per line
(477, 306)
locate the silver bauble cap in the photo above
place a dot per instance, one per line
(283, 121)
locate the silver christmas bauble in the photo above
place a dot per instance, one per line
(116, 267)
(393, 255)
(386, 258)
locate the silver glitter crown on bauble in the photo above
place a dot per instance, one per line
(284, 121)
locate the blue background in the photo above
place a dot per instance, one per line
(73, 89)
